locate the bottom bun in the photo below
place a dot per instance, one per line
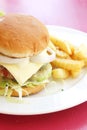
(28, 90)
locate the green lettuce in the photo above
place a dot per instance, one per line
(39, 78)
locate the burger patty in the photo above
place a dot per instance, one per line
(5, 73)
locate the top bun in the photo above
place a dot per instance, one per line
(22, 36)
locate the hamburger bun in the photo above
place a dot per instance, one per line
(28, 90)
(22, 36)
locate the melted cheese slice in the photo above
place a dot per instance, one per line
(22, 72)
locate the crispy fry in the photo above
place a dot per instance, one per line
(68, 64)
(60, 73)
(70, 59)
(63, 45)
(73, 47)
(62, 54)
(75, 73)
(80, 53)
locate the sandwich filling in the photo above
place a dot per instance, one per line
(14, 77)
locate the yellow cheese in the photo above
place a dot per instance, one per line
(22, 72)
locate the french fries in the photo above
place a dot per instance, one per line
(62, 54)
(68, 64)
(75, 73)
(63, 45)
(69, 61)
(80, 52)
(60, 73)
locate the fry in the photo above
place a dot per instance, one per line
(62, 54)
(60, 73)
(63, 45)
(73, 47)
(80, 53)
(70, 59)
(75, 73)
(68, 64)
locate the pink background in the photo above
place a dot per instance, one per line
(69, 13)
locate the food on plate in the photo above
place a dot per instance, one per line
(24, 55)
(68, 64)
(60, 73)
(63, 45)
(80, 53)
(75, 73)
(62, 54)
(70, 59)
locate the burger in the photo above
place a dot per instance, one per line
(25, 55)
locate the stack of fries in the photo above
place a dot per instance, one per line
(69, 61)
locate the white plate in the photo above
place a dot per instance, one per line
(52, 98)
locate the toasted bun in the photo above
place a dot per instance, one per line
(22, 35)
(25, 90)
(28, 90)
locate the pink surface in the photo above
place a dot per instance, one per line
(71, 119)
(70, 13)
